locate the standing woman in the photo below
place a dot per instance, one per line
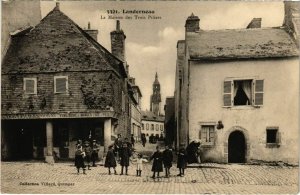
(181, 161)
(157, 162)
(125, 154)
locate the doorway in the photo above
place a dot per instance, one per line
(22, 147)
(236, 147)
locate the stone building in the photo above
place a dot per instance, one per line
(17, 16)
(238, 90)
(135, 109)
(60, 85)
(170, 128)
(155, 98)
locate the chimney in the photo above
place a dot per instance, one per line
(292, 18)
(118, 43)
(91, 32)
(255, 23)
(57, 6)
(192, 24)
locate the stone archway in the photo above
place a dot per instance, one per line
(236, 145)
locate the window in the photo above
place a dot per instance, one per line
(147, 126)
(207, 134)
(273, 137)
(60, 84)
(156, 127)
(243, 92)
(30, 86)
(161, 127)
(152, 127)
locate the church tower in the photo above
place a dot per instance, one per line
(155, 97)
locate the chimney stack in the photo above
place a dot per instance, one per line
(118, 43)
(291, 16)
(92, 33)
(255, 23)
(192, 23)
(57, 6)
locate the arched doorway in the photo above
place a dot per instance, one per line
(236, 147)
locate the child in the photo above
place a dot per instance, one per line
(157, 162)
(88, 153)
(79, 159)
(139, 164)
(110, 160)
(125, 155)
(181, 161)
(167, 160)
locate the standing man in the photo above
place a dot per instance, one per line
(144, 140)
(167, 160)
(95, 150)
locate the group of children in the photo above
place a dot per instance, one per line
(87, 153)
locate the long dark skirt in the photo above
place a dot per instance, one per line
(79, 161)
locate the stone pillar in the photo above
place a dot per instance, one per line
(49, 136)
(107, 134)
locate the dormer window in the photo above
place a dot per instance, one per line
(30, 86)
(61, 84)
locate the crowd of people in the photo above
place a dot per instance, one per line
(122, 152)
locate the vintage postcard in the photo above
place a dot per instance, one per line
(150, 97)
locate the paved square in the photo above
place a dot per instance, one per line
(38, 177)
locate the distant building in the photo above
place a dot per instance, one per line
(238, 90)
(152, 124)
(60, 85)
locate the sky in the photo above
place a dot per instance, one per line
(151, 43)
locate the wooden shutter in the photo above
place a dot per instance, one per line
(61, 85)
(30, 86)
(211, 134)
(204, 133)
(227, 93)
(258, 92)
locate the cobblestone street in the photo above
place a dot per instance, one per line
(38, 177)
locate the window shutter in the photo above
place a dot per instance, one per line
(258, 92)
(204, 134)
(29, 86)
(211, 134)
(61, 85)
(278, 137)
(227, 93)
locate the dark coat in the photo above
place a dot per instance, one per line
(79, 161)
(125, 154)
(157, 162)
(110, 160)
(192, 150)
(167, 158)
(181, 160)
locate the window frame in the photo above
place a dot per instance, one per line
(204, 142)
(277, 142)
(34, 79)
(67, 84)
(147, 126)
(252, 102)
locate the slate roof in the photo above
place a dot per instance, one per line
(150, 116)
(58, 44)
(241, 43)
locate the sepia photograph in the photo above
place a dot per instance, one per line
(150, 97)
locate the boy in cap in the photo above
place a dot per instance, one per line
(125, 155)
